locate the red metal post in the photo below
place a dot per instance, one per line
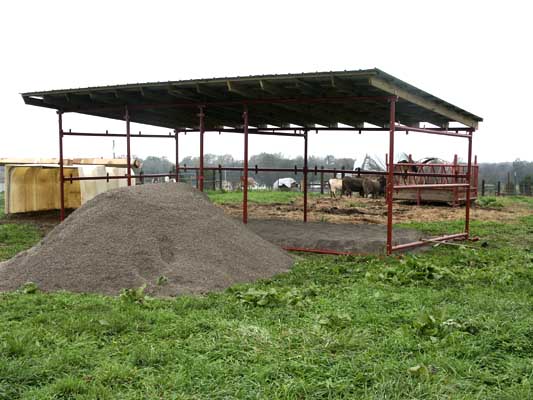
(305, 175)
(390, 177)
(469, 188)
(455, 172)
(200, 182)
(475, 172)
(245, 171)
(128, 144)
(176, 133)
(455, 236)
(61, 170)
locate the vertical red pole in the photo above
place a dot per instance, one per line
(177, 155)
(305, 174)
(202, 130)
(468, 189)
(475, 172)
(245, 169)
(128, 144)
(455, 171)
(61, 170)
(390, 178)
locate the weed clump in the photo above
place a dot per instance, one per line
(335, 321)
(413, 270)
(29, 288)
(489, 202)
(134, 295)
(273, 297)
(433, 325)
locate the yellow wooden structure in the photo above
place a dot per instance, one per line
(35, 187)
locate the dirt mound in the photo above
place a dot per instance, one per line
(129, 237)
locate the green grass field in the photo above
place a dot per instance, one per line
(15, 237)
(2, 214)
(453, 323)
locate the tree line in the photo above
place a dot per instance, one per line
(518, 172)
(158, 165)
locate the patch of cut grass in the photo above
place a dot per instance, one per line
(489, 202)
(15, 238)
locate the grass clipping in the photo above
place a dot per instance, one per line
(169, 238)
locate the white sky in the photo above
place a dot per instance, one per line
(474, 54)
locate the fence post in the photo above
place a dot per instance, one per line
(342, 173)
(483, 188)
(322, 179)
(498, 193)
(220, 177)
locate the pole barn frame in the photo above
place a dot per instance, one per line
(306, 108)
(245, 167)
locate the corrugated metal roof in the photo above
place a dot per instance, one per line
(307, 99)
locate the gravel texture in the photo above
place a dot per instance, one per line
(129, 237)
(353, 238)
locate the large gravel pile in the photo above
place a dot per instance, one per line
(129, 237)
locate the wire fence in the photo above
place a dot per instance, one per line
(506, 189)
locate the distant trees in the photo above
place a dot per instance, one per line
(515, 172)
(518, 171)
(156, 165)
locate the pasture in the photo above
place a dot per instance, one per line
(452, 322)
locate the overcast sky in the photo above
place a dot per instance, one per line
(474, 54)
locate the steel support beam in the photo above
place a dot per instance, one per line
(128, 143)
(176, 135)
(432, 131)
(245, 170)
(305, 174)
(425, 242)
(201, 115)
(61, 169)
(297, 170)
(469, 188)
(107, 134)
(283, 131)
(390, 177)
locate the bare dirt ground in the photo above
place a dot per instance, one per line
(348, 238)
(347, 210)
(357, 210)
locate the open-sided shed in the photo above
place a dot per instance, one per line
(281, 105)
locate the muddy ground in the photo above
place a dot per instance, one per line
(357, 210)
(328, 211)
(345, 238)
(347, 210)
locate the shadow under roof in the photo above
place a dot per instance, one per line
(309, 99)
